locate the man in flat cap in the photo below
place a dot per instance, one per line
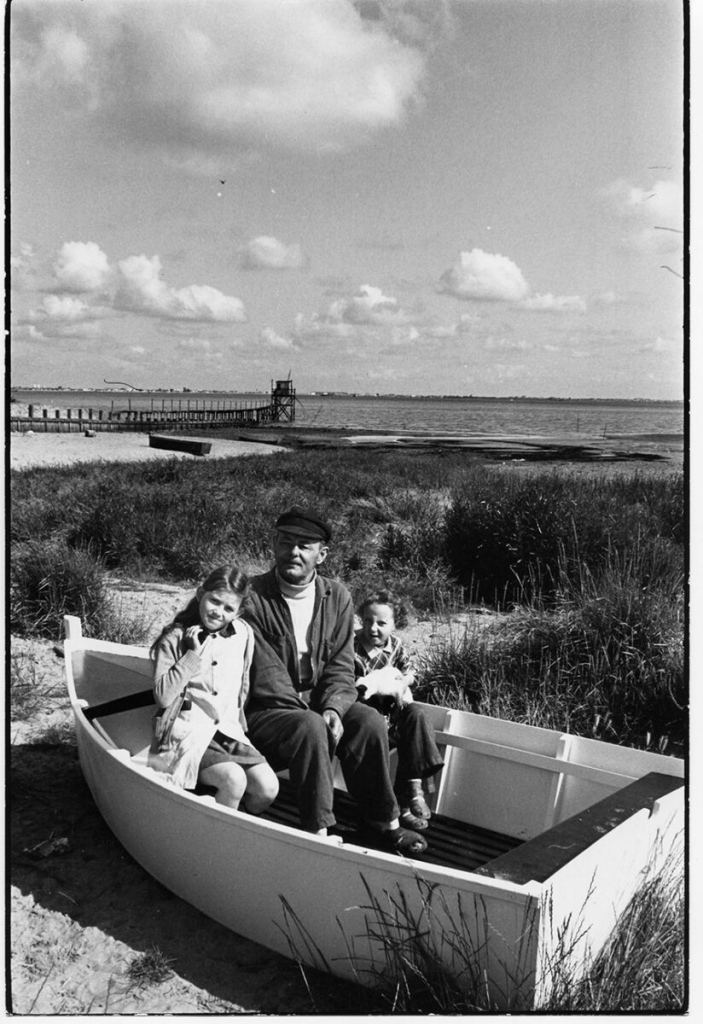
(303, 699)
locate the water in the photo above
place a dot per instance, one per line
(451, 416)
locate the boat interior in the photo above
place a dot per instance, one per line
(508, 804)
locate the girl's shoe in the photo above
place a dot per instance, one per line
(412, 821)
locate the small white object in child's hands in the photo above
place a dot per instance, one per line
(385, 682)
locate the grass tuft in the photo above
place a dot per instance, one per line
(150, 968)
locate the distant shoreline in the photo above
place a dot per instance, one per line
(393, 396)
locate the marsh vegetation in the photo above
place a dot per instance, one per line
(587, 570)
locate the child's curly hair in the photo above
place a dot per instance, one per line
(385, 597)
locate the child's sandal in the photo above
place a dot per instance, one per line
(409, 820)
(418, 806)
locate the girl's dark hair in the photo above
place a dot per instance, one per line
(224, 577)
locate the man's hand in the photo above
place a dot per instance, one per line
(334, 726)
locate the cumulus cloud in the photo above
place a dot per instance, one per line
(651, 218)
(81, 267)
(88, 288)
(266, 253)
(484, 276)
(63, 316)
(269, 337)
(368, 306)
(555, 303)
(64, 307)
(211, 79)
(141, 290)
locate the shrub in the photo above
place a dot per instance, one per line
(513, 541)
(48, 581)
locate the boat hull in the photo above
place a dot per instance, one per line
(295, 893)
(337, 907)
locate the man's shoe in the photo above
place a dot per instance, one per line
(402, 841)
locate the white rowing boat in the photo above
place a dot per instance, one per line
(538, 841)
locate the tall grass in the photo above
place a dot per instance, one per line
(434, 960)
(593, 565)
(496, 534)
(606, 660)
(642, 967)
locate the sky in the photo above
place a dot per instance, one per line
(471, 197)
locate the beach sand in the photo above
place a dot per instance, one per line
(28, 449)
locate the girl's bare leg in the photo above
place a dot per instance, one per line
(261, 787)
(230, 781)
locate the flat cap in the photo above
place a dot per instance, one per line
(305, 523)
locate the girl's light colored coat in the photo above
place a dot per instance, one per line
(216, 683)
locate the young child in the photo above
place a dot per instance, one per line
(201, 682)
(384, 680)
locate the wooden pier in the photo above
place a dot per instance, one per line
(187, 414)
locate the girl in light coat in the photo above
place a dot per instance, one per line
(201, 683)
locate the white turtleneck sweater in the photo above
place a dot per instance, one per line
(301, 602)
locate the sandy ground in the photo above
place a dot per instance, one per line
(29, 449)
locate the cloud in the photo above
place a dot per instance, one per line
(64, 316)
(89, 288)
(652, 218)
(609, 298)
(404, 335)
(141, 290)
(484, 276)
(269, 337)
(23, 267)
(63, 307)
(266, 253)
(217, 78)
(200, 351)
(81, 267)
(368, 306)
(555, 303)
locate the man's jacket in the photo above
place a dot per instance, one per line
(274, 676)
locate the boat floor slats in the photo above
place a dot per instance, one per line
(539, 858)
(450, 843)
